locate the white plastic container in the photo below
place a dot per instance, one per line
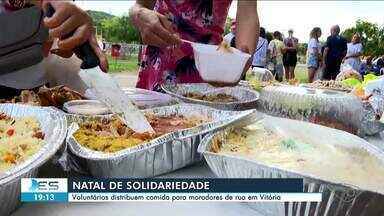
(218, 66)
(262, 74)
(86, 107)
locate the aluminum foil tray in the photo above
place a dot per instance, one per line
(247, 97)
(337, 199)
(162, 155)
(54, 125)
(327, 107)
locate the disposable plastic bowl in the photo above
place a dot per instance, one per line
(218, 66)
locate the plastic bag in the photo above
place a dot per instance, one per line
(369, 77)
(351, 82)
(375, 85)
(261, 74)
(330, 108)
(259, 78)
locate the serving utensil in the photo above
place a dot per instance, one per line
(106, 89)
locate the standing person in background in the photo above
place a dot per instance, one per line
(276, 49)
(229, 38)
(366, 65)
(290, 55)
(334, 53)
(260, 55)
(313, 53)
(378, 65)
(163, 23)
(354, 51)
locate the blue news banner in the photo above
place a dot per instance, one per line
(164, 190)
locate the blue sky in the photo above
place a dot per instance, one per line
(301, 16)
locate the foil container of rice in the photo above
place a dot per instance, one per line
(338, 198)
(329, 108)
(164, 154)
(245, 98)
(54, 125)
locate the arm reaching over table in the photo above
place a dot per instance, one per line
(248, 29)
(155, 28)
(247, 32)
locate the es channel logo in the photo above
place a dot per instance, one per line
(44, 190)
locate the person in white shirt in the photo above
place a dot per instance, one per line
(313, 53)
(260, 55)
(229, 37)
(354, 51)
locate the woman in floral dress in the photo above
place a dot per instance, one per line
(163, 23)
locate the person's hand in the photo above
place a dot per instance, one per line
(73, 27)
(155, 28)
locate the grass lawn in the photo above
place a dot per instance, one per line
(301, 73)
(123, 65)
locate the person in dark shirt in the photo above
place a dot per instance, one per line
(334, 52)
(378, 66)
(380, 62)
(290, 55)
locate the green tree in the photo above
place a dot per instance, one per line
(227, 27)
(302, 49)
(114, 29)
(269, 36)
(110, 29)
(372, 37)
(119, 29)
(98, 17)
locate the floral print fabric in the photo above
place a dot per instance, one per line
(200, 21)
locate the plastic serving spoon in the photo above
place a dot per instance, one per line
(106, 89)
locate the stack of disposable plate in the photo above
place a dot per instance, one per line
(54, 126)
(143, 98)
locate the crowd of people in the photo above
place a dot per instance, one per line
(323, 61)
